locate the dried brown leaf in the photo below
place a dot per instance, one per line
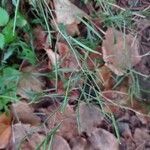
(66, 12)
(90, 117)
(53, 56)
(5, 137)
(5, 130)
(29, 82)
(59, 143)
(23, 112)
(101, 139)
(120, 51)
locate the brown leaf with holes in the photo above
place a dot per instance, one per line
(120, 51)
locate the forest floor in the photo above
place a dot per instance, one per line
(75, 74)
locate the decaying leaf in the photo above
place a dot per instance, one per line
(23, 112)
(60, 143)
(29, 82)
(5, 130)
(101, 139)
(90, 117)
(120, 51)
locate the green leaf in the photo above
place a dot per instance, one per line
(8, 33)
(2, 41)
(4, 17)
(28, 55)
(21, 21)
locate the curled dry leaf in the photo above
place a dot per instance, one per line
(5, 130)
(106, 77)
(120, 51)
(59, 143)
(53, 56)
(90, 117)
(23, 112)
(101, 139)
(29, 82)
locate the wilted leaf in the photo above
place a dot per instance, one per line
(60, 143)
(101, 139)
(120, 51)
(29, 82)
(90, 117)
(23, 112)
